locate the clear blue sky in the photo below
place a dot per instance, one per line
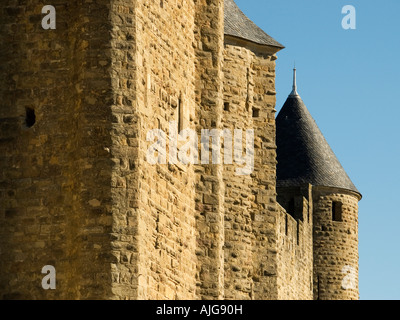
(349, 80)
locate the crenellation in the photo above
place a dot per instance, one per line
(295, 245)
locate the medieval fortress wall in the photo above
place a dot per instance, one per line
(53, 170)
(295, 244)
(77, 190)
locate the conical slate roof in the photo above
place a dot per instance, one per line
(303, 154)
(238, 25)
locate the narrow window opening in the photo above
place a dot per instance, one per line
(226, 106)
(248, 90)
(337, 211)
(30, 117)
(256, 113)
(286, 224)
(298, 232)
(180, 115)
(162, 3)
(311, 284)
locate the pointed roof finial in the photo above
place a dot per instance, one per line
(294, 90)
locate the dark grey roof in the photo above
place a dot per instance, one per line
(238, 25)
(303, 154)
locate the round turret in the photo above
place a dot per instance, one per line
(305, 158)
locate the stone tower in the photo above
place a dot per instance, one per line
(309, 170)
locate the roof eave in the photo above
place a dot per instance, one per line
(355, 192)
(254, 46)
(352, 191)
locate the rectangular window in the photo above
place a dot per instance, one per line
(337, 211)
(256, 113)
(226, 106)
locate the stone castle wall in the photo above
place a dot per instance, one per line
(53, 171)
(295, 244)
(162, 263)
(77, 190)
(249, 101)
